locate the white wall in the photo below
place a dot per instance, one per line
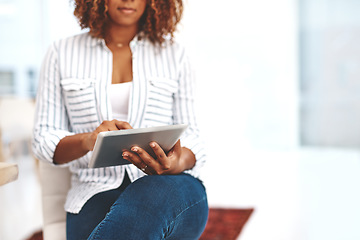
(59, 21)
(246, 60)
(245, 55)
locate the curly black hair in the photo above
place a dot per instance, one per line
(159, 19)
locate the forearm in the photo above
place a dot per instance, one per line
(70, 148)
(73, 147)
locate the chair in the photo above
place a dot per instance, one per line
(55, 183)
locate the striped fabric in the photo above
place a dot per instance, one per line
(72, 98)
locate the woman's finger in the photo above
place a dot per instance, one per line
(160, 156)
(136, 160)
(148, 160)
(113, 125)
(122, 125)
(144, 156)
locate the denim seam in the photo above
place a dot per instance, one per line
(97, 230)
(203, 199)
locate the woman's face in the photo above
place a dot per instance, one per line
(126, 12)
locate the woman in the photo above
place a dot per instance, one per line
(126, 72)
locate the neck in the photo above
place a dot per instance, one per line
(120, 35)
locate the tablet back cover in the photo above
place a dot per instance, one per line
(110, 145)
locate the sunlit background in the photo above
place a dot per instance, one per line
(278, 103)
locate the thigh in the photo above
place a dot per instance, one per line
(157, 207)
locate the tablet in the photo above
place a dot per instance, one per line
(109, 145)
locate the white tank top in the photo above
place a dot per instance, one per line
(119, 97)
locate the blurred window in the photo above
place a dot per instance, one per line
(7, 83)
(330, 73)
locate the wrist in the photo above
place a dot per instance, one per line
(187, 159)
(85, 140)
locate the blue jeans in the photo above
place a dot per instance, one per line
(153, 207)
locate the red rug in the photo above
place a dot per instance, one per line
(225, 223)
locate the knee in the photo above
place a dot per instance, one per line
(160, 195)
(151, 205)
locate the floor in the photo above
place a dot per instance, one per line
(304, 194)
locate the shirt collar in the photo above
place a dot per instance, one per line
(100, 41)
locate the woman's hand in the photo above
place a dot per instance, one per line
(176, 161)
(89, 141)
(75, 146)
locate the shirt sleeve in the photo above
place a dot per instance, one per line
(51, 121)
(184, 113)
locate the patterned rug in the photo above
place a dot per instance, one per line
(225, 223)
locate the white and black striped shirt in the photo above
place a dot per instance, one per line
(72, 98)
